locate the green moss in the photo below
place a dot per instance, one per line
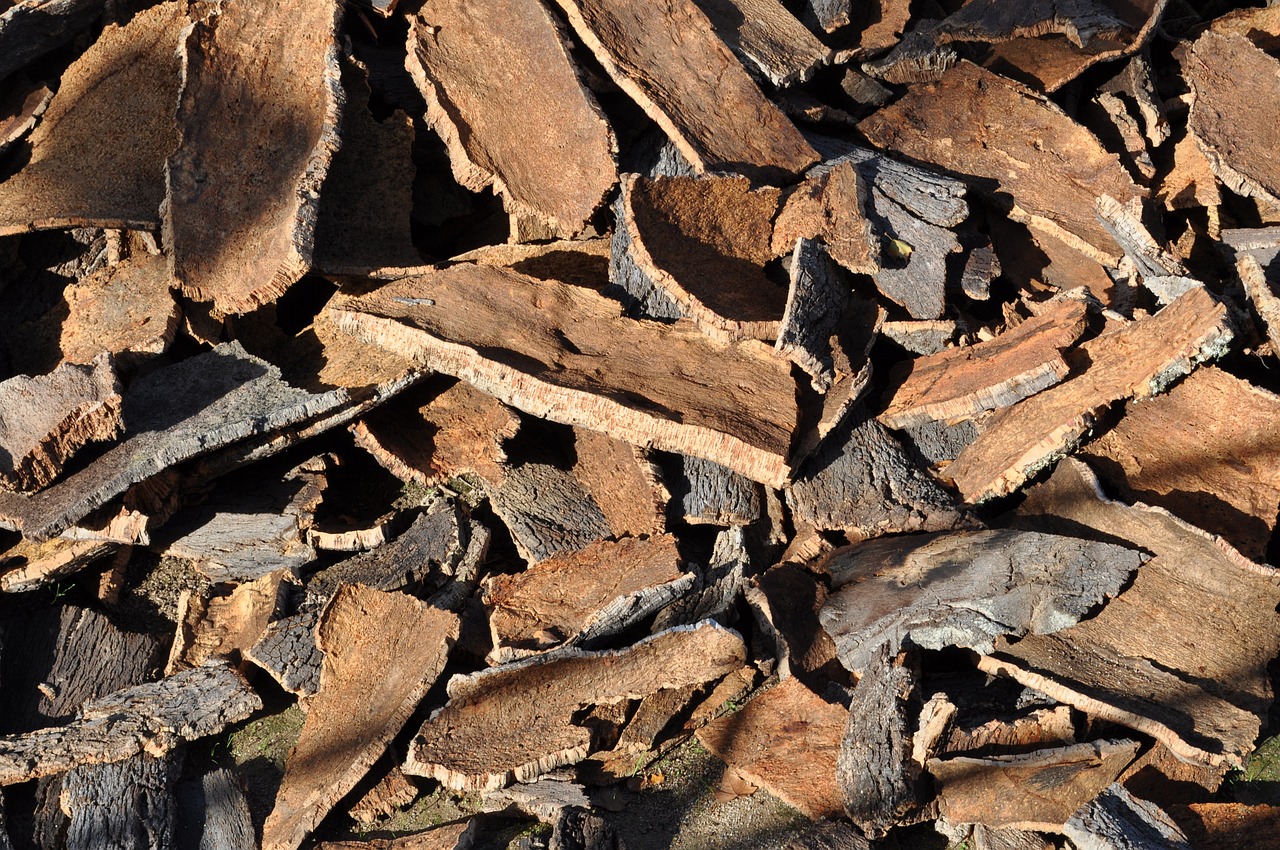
(1264, 764)
(425, 812)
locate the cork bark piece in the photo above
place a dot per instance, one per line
(244, 183)
(382, 652)
(669, 60)
(47, 419)
(30, 566)
(575, 597)
(829, 205)
(1260, 289)
(451, 836)
(1137, 361)
(964, 382)
(708, 493)
(768, 38)
(581, 262)
(965, 588)
(1037, 791)
(216, 802)
(287, 652)
(154, 718)
(547, 511)
(21, 107)
(785, 740)
(1116, 820)
(623, 481)
(110, 805)
(566, 354)
(80, 174)
(1015, 143)
(124, 309)
(786, 600)
(1234, 87)
(1178, 451)
(223, 626)
(505, 96)
(512, 723)
(702, 243)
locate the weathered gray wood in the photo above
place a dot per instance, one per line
(547, 511)
(939, 442)
(708, 493)
(965, 588)
(874, 767)
(153, 718)
(125, 805)
(634, 286)
(816, 303)
(31, 28)
(769, 38)
(213, 814)
(720, 583)
(1117, 820)
(828, 835)
(171, 415)
(287, 651)
(578, 829)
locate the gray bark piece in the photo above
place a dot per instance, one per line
(127, 805)
(720, 584)
(828, 15)
(629, 283)
(862, 480)
(172, 415)
(939, 441)
(153, 717)
(213, 814)
(711, 494)
(288, 652)
(816, 303)
(965, 588)
(874, 769)
(31, 28)
(828, 835)
(1116, 820)
(1261, 243)
(547, 511)
(579, 829)
(5, 843)
(767, 38)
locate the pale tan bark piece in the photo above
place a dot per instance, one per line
(512, 723)
(1208, 451)
(566, 354)
(767, 36)
(47, 419)
(505, 96)
(623, 481)
(1236, 95)
(1137, 361)
(124, 309)
(573, 597)
(1261, 292)
(1037, 791)
(382, 652)
(1022, 145)
(244, 182)
(785, 740)
(21, 107)
(30, 566)
(667, 57)
(79, 173)
(1190, 181)
(224, 626)
(964, 382)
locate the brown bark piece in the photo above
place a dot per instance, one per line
(1137, 361)
(767, 36)
(47, 419)
(75, 176)
(965, 589)
(565, 354)
(574, 597)
(287, 652)
(1234, 86)
(668, 58)
(828, 205)
(1230, 826)
(152, 718)
(505, 96)
(977, 123)
(124, 309)
(581, 262)
(1262, 26)
(1261, 292)
(1178, 451)
(1116, 820)
(244, 182)
(512, 723)
(1191, 181)
(547, 511)
(391, 793)
(382, 651)
(21, 107)
(784, 740)
(1182, 654)
(224, 626)
(1037, 791)
(1035, 730)
(786, 600)
(702, 242)
(450, 836)
(964, 382)
(622, 481)
(30, 566)
(439, 431)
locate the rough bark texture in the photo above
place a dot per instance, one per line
(213, 814)
(668, 58)
(709, 493)
(237, 242)
(495, 730)
(1261, 292)
(768, 38)
(565, 354)
(127, 805)
(830, 205)
(816, 303)
(226, 626)
(287, 651)
(451, 836)
(75, 176)
(382, 651)
(30, 566)
(623, 481)
(1118, 821)
(504, 95)
(828, 835)
(547, 511)
(785, 740)
(1138, 360)
(124, 309)
(965, 589)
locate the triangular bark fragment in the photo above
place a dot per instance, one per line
(225, 626)
(1117, 820)
(769, 38)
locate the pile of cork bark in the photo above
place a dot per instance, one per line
(880, 392)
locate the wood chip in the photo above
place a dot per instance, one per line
(1116, 820)
(784, 740)
(236, 241)
(492, 733)
(1136, 361)
(47, 419)
(646, 383)
(769, 38)
(75, 176)
(1027, 149)
(965, 589)
(124, 309)
(382, 651)
(152, 718)
(505, 96)
(671, 62)
(1037, 791)
(576, 597)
